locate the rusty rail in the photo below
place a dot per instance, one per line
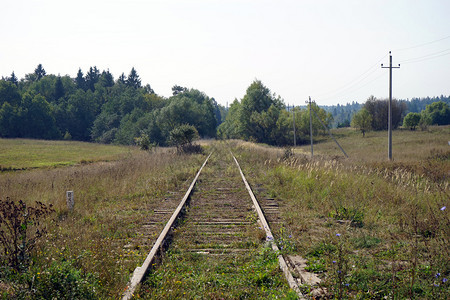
(139, 272)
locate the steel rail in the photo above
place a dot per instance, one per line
(269, 236)
(139, 272)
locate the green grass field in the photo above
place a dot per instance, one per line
(18, 154)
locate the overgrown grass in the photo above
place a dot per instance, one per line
(98, 244)
(391, 217)
(19, 154)
(191, 275)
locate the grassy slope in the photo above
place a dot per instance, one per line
(25, 154)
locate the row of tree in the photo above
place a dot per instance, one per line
(374, 115)
(343, 114)
(95, 107)
(262, 117)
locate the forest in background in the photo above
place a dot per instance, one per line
(96, 107)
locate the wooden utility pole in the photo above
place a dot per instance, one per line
(390, 105)
(310, 127)
(293, 118)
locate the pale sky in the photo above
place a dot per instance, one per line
(330, 50)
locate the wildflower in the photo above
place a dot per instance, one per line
(443, 208)
(444, 280)
(339, 271)
(334, 261)
(338, 234)
(290, 236)
(436, 285)
(438, 274)
(347, 284)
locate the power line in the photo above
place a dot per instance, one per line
(352, 90)
(421, 45)
(427, 57)
(355, 81)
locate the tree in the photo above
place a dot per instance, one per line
(59, 89)
(122, 78)
(13, 79)
(79, 80)
(229, 129)
(149, 89)
(362, 120)
(257, 100)
(411, 120)
(10, 121)
(38, 120)
(92, 78)
(438, 113)
(39, 72)
(183, 136)
(378, 109)
(106, 79)
(176, 89)
(9, 93)
(133, 79)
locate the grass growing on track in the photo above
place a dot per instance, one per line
(84, 253)
(370, 228)
(25, 154)
(255, 275)
(237, 266)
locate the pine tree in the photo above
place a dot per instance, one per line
(133, 79)
(122, 79)
(39, 72)
(59, 89)
(13, 79)
(92, 78)
(79, 80)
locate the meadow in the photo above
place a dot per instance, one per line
(21, 154)
(371, 228)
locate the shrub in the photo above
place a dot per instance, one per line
(20, 229)
(62, 280)
(183, 136)
(144, 142)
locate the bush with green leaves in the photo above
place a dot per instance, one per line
(411, 120)
(183, 136)
(61, 280)
(144, 142)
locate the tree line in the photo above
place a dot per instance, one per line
(343, 114)
(374, 115)
(96, 107)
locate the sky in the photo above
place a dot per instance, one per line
(328, 50)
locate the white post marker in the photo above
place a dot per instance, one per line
(69, 199)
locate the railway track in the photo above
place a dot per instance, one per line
(218, 221)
